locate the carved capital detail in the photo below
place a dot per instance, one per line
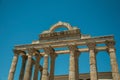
(91, 45)
(110, 43)
(17, 52)
(48, 50)
(53, 55)
(33, 51)
(72, 47)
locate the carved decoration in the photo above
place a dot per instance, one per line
(59, 24)
(48, 50)
(72, 47)
(33, 51)
(17, 52)
(91, 44)
(110, 43)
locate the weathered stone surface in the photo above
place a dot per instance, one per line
(13, 67)
(73, 69)
(27, 75)
(92, 55)
(24, 59)
(52, 65)
(45, 68)
(49, 41)
(38, 56)
(111, 50)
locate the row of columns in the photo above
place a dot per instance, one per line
(26, 69)
(73, 69)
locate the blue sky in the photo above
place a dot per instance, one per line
(21, 21)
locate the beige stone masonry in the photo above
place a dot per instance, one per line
(92, 55)
(24, 59)
(29, 64)
(13, 65)
(47, 46)
(114, 65)
(38, 57)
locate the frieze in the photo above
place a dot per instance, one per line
(59, 35)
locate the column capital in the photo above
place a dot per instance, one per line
(72, 47)
(48, 50)
(91, 44)
(110, 43)
(38, 56)
(17, 52)
(53, 55)
(32, 51)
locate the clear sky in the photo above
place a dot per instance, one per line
(21, 21)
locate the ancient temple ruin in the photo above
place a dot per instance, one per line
(71, 38)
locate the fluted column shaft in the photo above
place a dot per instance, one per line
(13, 66)
(28, 67)
(45, 68)
(92, 55)
(111, 50)
(77, 65)
(52, 66)
(24, 58)
(73, 69)
(36, 67)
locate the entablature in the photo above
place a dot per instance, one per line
(65, 43)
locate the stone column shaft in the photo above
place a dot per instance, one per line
(93, 69)
(111, 50)
(31, 68)
(52, 66)
(77, 65)
(45, 68)
(13, 67)
(115, 73)
(92, 55)
(73, 69)
(28, 67)
(24, 58)
(36, 68)
(72, 72)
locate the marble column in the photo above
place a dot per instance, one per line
(45, 68)
(52, 66)
(92, 55)
(31, 70)
(38, 56)
(24, 58)
(41, 74)
(73, 69)
(77, 65)
(111, 51)
(13, 65)
(28, 67)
